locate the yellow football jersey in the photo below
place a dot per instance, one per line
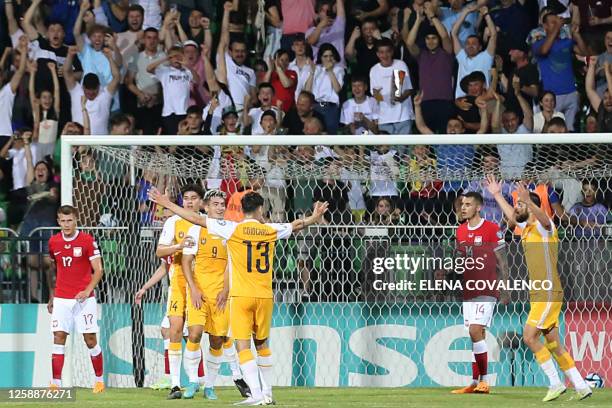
(251, 246)
(210, 260)
(541, 249)
(174, 231)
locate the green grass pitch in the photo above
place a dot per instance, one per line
(518, 397)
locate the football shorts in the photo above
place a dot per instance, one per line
(250, 316)
(544, 315)
(479, 311)
(215, 322)
(68, 313)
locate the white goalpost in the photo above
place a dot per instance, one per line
(330, 326)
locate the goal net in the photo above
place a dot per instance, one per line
(338, 321)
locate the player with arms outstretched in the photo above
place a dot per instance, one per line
(251, 244)
(208, 282)
(541, 246)
(172, 241)
(480, 239)
(72, 302)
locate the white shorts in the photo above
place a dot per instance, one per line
(69, 312)
(165, 324)
(479, 311)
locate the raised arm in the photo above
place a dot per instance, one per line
(551, 36)
(410, 39)
(156, 277)
(447, 44)
(525, 107)
(14, 84)
(540, 214)
(382, 9)
(496, 117)
(418, 113)
(495, 188)
(320, 208)
(153, 66)
(349, 50)
(223, 44)
(591, 91)
(56, 87)
(211, 79)
(581, 47)
(340, 10)
(457, 26)
(114, 83)
(13, 26)
(163, 200)
(32, 68)
(484, 117)
(85, 5)
(29, 160)
(310, 80)
(491, 46)
(313, 37)
(86, 122)
(28, 27)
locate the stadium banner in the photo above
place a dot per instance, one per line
(337, 344)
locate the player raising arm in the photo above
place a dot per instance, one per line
(72, 302)
(541, 246)
(251, 245)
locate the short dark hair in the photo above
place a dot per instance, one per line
(196, 188)
(55, 22)
(119, 119)
(369, 20)
(251, 202)
(536, 199)
(475, 195)
(282, 51)
(67, 210)
(309, 95)
(359, 78)
(265, 85)
(268, 112)
(327, 47)
(151, 30)
(136, 7)
(557, 121)
(194, 109)
(91, 81)
(384, 42)
(476, 37)
(236, 41)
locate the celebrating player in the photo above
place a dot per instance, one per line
(251, 245)
(541, 245)
(171, 243)
(72, 302)
(206, 301)
(480, 239)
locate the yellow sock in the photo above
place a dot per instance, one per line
(192, 346)
(542, 355)
(565, 361)
(229, 343)
(264, 352)
(245, 356)
(216, 353)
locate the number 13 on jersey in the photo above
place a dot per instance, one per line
(258, 256)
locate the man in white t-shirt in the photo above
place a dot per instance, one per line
(360, 112)
(7, 95)
(392, 93)
(16, 150)
(176, 79)
(471, 57)
(129, 41)
(231, 70)
(99, 101)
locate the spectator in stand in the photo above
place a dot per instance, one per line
(175, 79)
(295, 120)
(391, 87)
(221, 99)
(120, 124)
(384, 170)
(555, 61)
(450, 15)
(606, 56)
(314, 126)
(527, 73)
(360, 113)
(548, 103)
(420, 194)
(361, 46)
(198, 95)
(595, 19)
(252, 116)
(283, 80)
(15, 150)
(99, 101)
(298, 16)
(436, 66)
(231, 57)
(94, 54)
(301, 63)
(514, 24)
(325, 82)
(602, 106)
(471, 57)
(145, 86)
(46, 111)
(474, 87)
(129, 41)
(384, 213)
(329, 29)
(589, 215)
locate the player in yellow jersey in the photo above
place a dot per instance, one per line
(171, 243)
(208, 282)
(251, 244)
(540, 243)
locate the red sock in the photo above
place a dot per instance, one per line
(166, 363)
(96, 361)
(481, 360)
(201, 366)
(475, 372)
(57, 364)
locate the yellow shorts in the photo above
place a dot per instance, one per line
(177, 298)
(215, 322)
(250, 316)
(544, 315)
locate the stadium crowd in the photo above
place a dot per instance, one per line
(196, 67)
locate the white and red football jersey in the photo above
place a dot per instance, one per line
(480, 243)
(72, 258)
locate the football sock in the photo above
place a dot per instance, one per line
(57, 363)
(479, 350)
(213, 363)
(229, 352)
(475, 372)
(98, 363)
(201, 378)
(251, 373)
(166, 360)
(568, 366)
(192, 359)
(545, 360)
(264, 362)
(175, 354)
